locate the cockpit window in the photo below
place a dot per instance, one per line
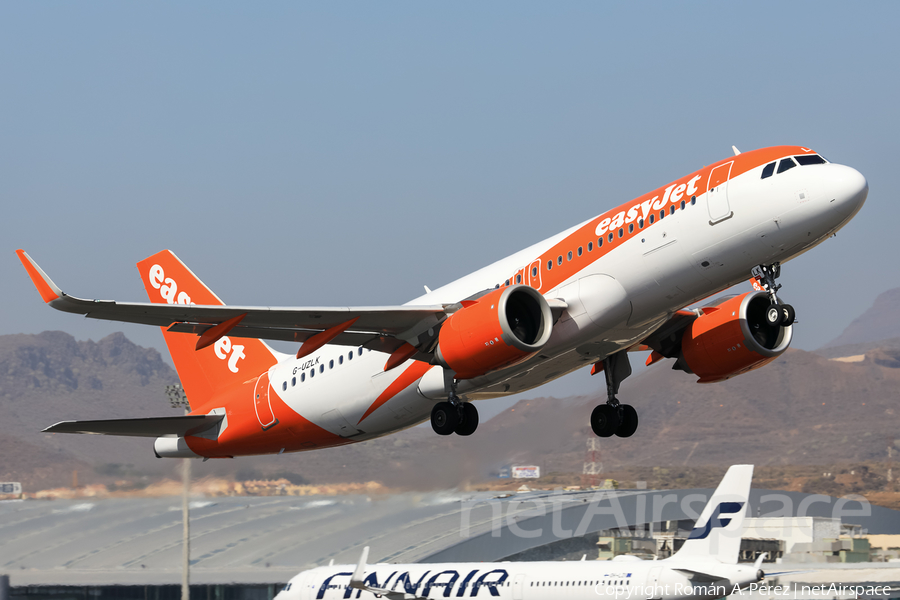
(768, 170)
(785, 164)
(809, 159)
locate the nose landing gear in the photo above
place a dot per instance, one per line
(777, 313)
(614, 418)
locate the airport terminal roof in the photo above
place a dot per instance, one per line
(270, 539)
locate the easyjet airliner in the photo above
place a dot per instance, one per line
(615, 283)
(705, 567)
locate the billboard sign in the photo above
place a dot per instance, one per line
(10, 487)
(526, 472)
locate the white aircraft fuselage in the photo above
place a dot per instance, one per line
(618, 281)
(578, 580)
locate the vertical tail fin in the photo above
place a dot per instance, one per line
(717, 533)
(202, 372)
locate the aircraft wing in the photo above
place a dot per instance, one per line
(399, 323)
(701, 574)
(180, 425)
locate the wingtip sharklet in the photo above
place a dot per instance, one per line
(48, 290)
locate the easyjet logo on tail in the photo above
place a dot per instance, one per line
(168, 291)
(167, 287)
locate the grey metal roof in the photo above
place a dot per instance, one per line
(270, 539)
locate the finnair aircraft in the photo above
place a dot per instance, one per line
(705, 567)
(615, 283)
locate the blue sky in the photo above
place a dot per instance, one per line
(348, 153)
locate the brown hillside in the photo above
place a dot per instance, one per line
(802, 409)
(880, 322)
(51, 377)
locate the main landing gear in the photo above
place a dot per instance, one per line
(454, 415)
(777, 313)
(615, 418)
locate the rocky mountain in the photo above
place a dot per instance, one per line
(803, 409)
(51, 377)
(880, 322)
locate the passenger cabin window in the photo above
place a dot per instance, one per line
(809, 159)
(590, 246)
(768, 170)
(569, 255)
(785, 164)
(518, 279)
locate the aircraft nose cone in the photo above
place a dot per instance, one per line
(849, 189)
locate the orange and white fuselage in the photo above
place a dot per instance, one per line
(611, 281)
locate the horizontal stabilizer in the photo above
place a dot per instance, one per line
(147, 427)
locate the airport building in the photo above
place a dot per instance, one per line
(248, 547)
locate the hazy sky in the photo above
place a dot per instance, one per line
(348, 153)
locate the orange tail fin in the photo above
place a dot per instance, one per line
(223, 364)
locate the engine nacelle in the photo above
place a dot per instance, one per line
(733, 338)
(502, 328)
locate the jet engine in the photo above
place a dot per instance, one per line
(732, 338)
(503, 327)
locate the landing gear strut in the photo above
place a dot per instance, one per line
(454, 415)
(777, 313)
(614, 418)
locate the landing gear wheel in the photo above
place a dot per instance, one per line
(605, 420)
(629, 422)
(787, 315)
(774, 315)
(469, 422)
(444, 418)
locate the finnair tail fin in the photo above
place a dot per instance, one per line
(717, 533)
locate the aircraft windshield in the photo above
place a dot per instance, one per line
(788, 163)
(809, 159)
